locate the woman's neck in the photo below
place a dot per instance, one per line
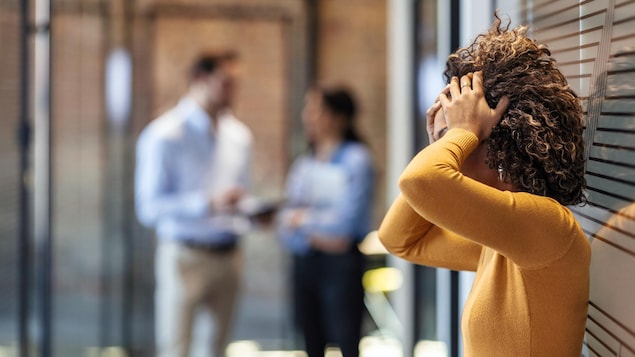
(324, 148)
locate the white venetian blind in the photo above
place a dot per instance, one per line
(594, 43)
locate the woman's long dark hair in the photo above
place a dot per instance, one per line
(340, 101)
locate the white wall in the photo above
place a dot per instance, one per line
(400, 140)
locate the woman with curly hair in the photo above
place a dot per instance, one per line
(489, 194)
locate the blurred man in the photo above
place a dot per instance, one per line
(191, 176)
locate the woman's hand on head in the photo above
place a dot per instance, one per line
(466, 107)
(435, 123)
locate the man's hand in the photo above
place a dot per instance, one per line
(228, 201)
(332, 245)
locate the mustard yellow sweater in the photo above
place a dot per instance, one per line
(531, 258)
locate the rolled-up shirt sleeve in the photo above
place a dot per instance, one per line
(154, 194)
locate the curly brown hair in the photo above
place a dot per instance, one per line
(539, 141)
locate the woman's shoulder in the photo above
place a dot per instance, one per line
(356, 152)
(544, 204)
(547, 209)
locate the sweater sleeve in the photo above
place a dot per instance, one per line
(406, 234)
(530, 230)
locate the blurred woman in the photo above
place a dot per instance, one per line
(489, 194)
(328, 212)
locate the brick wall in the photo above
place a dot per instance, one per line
(262, 98)
(92, 179)
(352, 50)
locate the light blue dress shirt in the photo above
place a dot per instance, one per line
(337, 197)
(182, 163)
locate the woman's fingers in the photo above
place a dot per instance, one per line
(446, 89)
(431, 114)
(502, 105)
(467, 108)
(477, 82)
(455, 88)
(463, 85)
(466, 82)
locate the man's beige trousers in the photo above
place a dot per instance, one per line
(189, 282)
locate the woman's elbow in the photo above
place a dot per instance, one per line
(418, 184)
(410, 185)
(391, 240)
(381, 235)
